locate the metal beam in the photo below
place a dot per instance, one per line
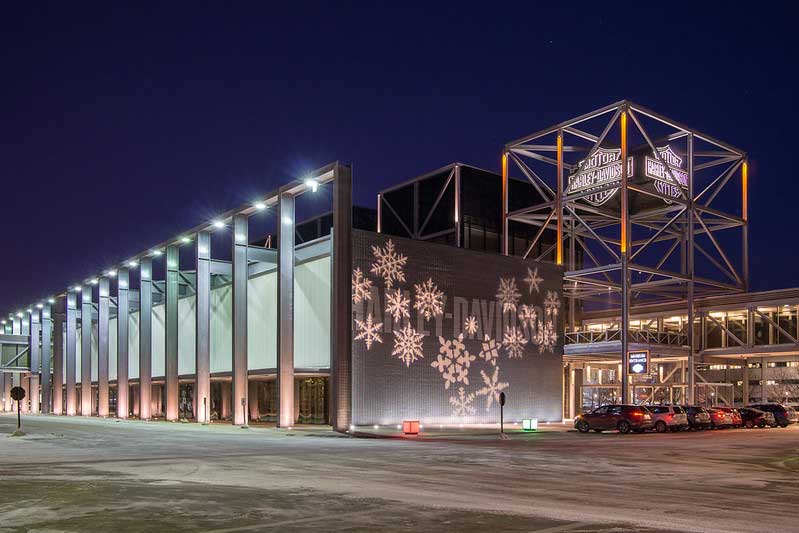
(171, 331)
(35, 359)
(202, 388)
(46, 380)
(240, 240)
(103, 316)
(341, 302)
(145, 337)
(123, 332)
(86, 310)
(71, 352)
(285, 307)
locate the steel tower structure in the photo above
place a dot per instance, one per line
(631, 233)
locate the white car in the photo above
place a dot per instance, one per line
(668, 417)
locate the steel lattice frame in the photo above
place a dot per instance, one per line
(619, 242)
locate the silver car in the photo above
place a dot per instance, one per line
(668, 417)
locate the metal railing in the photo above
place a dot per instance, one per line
(667, 338)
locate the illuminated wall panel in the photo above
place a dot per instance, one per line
(471, 325)
(221, 331)
(77, 358)
(95, 350)
(112, 349)
(262, 321)
(187, 325)
(158, 341)
(312, 314)
(133, 345)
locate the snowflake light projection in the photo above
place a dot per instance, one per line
(453, 361)
(397, 305)
(429, 300)
(514, 342)
(492, 387)
(490, 351)
(552, 304)
(462, 403)
(368, 331)
(361, 287)
(532, 280)
(408, 345)
(470, 326)
(388, 264)
(508, 294)
(527, 317)
(549, 337)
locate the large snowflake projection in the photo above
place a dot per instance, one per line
(514, 342)
(462, 403)
(490, 351)
(470, 326)
(508, 294)
(397, 304)
(408, 345)
(361, 287)
(549, 337)
(492, 387)
(527, 317)
(388, 264)
(429, 300)
(453, 361)
(552, 304)
(368, 331)
(532, 280)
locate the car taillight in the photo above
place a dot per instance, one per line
(638, 413)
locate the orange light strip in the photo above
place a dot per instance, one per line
(558, 206)
(745, 190)
(624, 176)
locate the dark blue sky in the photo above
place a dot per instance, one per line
(122, 125)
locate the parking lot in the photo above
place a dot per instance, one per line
(76, 474)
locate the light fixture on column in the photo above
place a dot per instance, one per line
(76, 288)
(157, 253)
(93, 281)
(260, 206)
(2, 322)
(39, 306)
(185, 240)
(19, 314)
(218, 224)
(51, 300)
(30, 310)
(132, 263)
(312, 184)
(111, 273)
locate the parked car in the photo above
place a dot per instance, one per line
(755, 417)
(783, 414)
(719, 419)
(625, 418)
(668, 417)
(734, 414)
(698, 417)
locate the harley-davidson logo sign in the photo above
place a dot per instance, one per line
(601, 169)
(656, 170)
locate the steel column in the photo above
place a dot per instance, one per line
(123, 389)
(171, 331)
(202, 388)
(691, 393)
(34, 359)
(240, 276)
(86, 310)
(341, 301)
(145, 337)
(625, 263)
(71, 351)
(46, 380)
(285, 310)
(103, 316)
(458, 208)
(58, 356)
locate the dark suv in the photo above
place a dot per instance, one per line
(625, 418)
(755, 417)
(783, 415)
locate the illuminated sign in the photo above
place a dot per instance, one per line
(602, 168)
(638, 362)
(664, 184)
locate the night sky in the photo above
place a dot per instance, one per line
(120, 125)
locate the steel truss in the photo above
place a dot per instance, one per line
(639, 236)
